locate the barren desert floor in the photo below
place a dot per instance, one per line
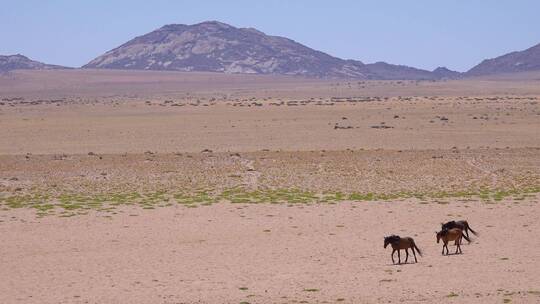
(134, 187)
(234, 253)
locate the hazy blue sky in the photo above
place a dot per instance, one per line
(421, 33)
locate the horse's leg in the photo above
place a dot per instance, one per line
(399, 256)
(414, 254)
(407, 255)
(393, 251)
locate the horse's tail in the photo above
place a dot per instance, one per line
(465, 237)
(469, 227)
(417, 249)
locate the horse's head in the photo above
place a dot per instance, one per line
(390, 239)
(386, 241)
(438, 236)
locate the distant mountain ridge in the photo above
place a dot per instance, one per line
(521, 61)
(218, 47)
(445, 73)
(214, 46)
(20, 62)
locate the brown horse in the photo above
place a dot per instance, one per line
(447, 235)
(399, 243)
(463, 225)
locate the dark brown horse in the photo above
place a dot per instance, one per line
(463, 225)
(399, 243)
(447, 235)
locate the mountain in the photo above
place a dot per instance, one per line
(20, 62)
(218, 47)
(522, 61)
(383, 70)
(445, 73)
(387, 71)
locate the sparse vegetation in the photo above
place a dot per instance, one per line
(452, 295)
(79, 204)
(311, 289)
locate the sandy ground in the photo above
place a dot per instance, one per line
(76, 112)
(115, 84)
(270, 254)
(75, 143)
(137, 127)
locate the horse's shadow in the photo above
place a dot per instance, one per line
(453, 254)
(401, 264)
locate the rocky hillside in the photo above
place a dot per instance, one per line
(20, 62)
(522, 61)
(217, 47)
(383, 70)
(445, 73)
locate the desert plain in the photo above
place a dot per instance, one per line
(166, 187)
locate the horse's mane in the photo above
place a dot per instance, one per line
(392, 238)
(444, 231)
(448, 225)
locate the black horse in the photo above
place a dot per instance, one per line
(463, 225)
